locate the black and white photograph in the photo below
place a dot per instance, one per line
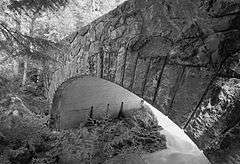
(119, 81)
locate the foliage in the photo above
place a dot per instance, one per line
(32, 34)
(28, 139)
(21, 43)
(36, 5)
(38, 48)
(24, 135)
(100, 140)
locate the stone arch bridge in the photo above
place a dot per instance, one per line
(158, 50)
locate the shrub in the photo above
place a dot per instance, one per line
(29, 140)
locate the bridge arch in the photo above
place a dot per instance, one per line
(82, 97)
(155, 49)
(77, 97)
(168, 87)
(128, 47)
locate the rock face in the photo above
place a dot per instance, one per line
(165, 51)
(215, 127)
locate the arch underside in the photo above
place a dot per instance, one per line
(156, 50)
(79, 96)
(173, 89)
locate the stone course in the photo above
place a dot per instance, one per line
(129, 45)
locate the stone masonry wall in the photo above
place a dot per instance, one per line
(215, 127)
(129, 46)
(165, 51)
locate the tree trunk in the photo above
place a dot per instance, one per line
(16, 60)
(24, 79)
(45, 76)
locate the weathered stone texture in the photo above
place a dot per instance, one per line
(140, 76)
(121, 63)
(166, 89)
(130, 70)
(229, 148)
(151, 83)
(134, 39)
(217, 117)
(192, 87)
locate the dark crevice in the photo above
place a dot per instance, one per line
(101, 56)
(176, 87)
(146, 76)
(123, 68)
(226, 15)
(159, 79)
(214, 77)
(74, 38)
